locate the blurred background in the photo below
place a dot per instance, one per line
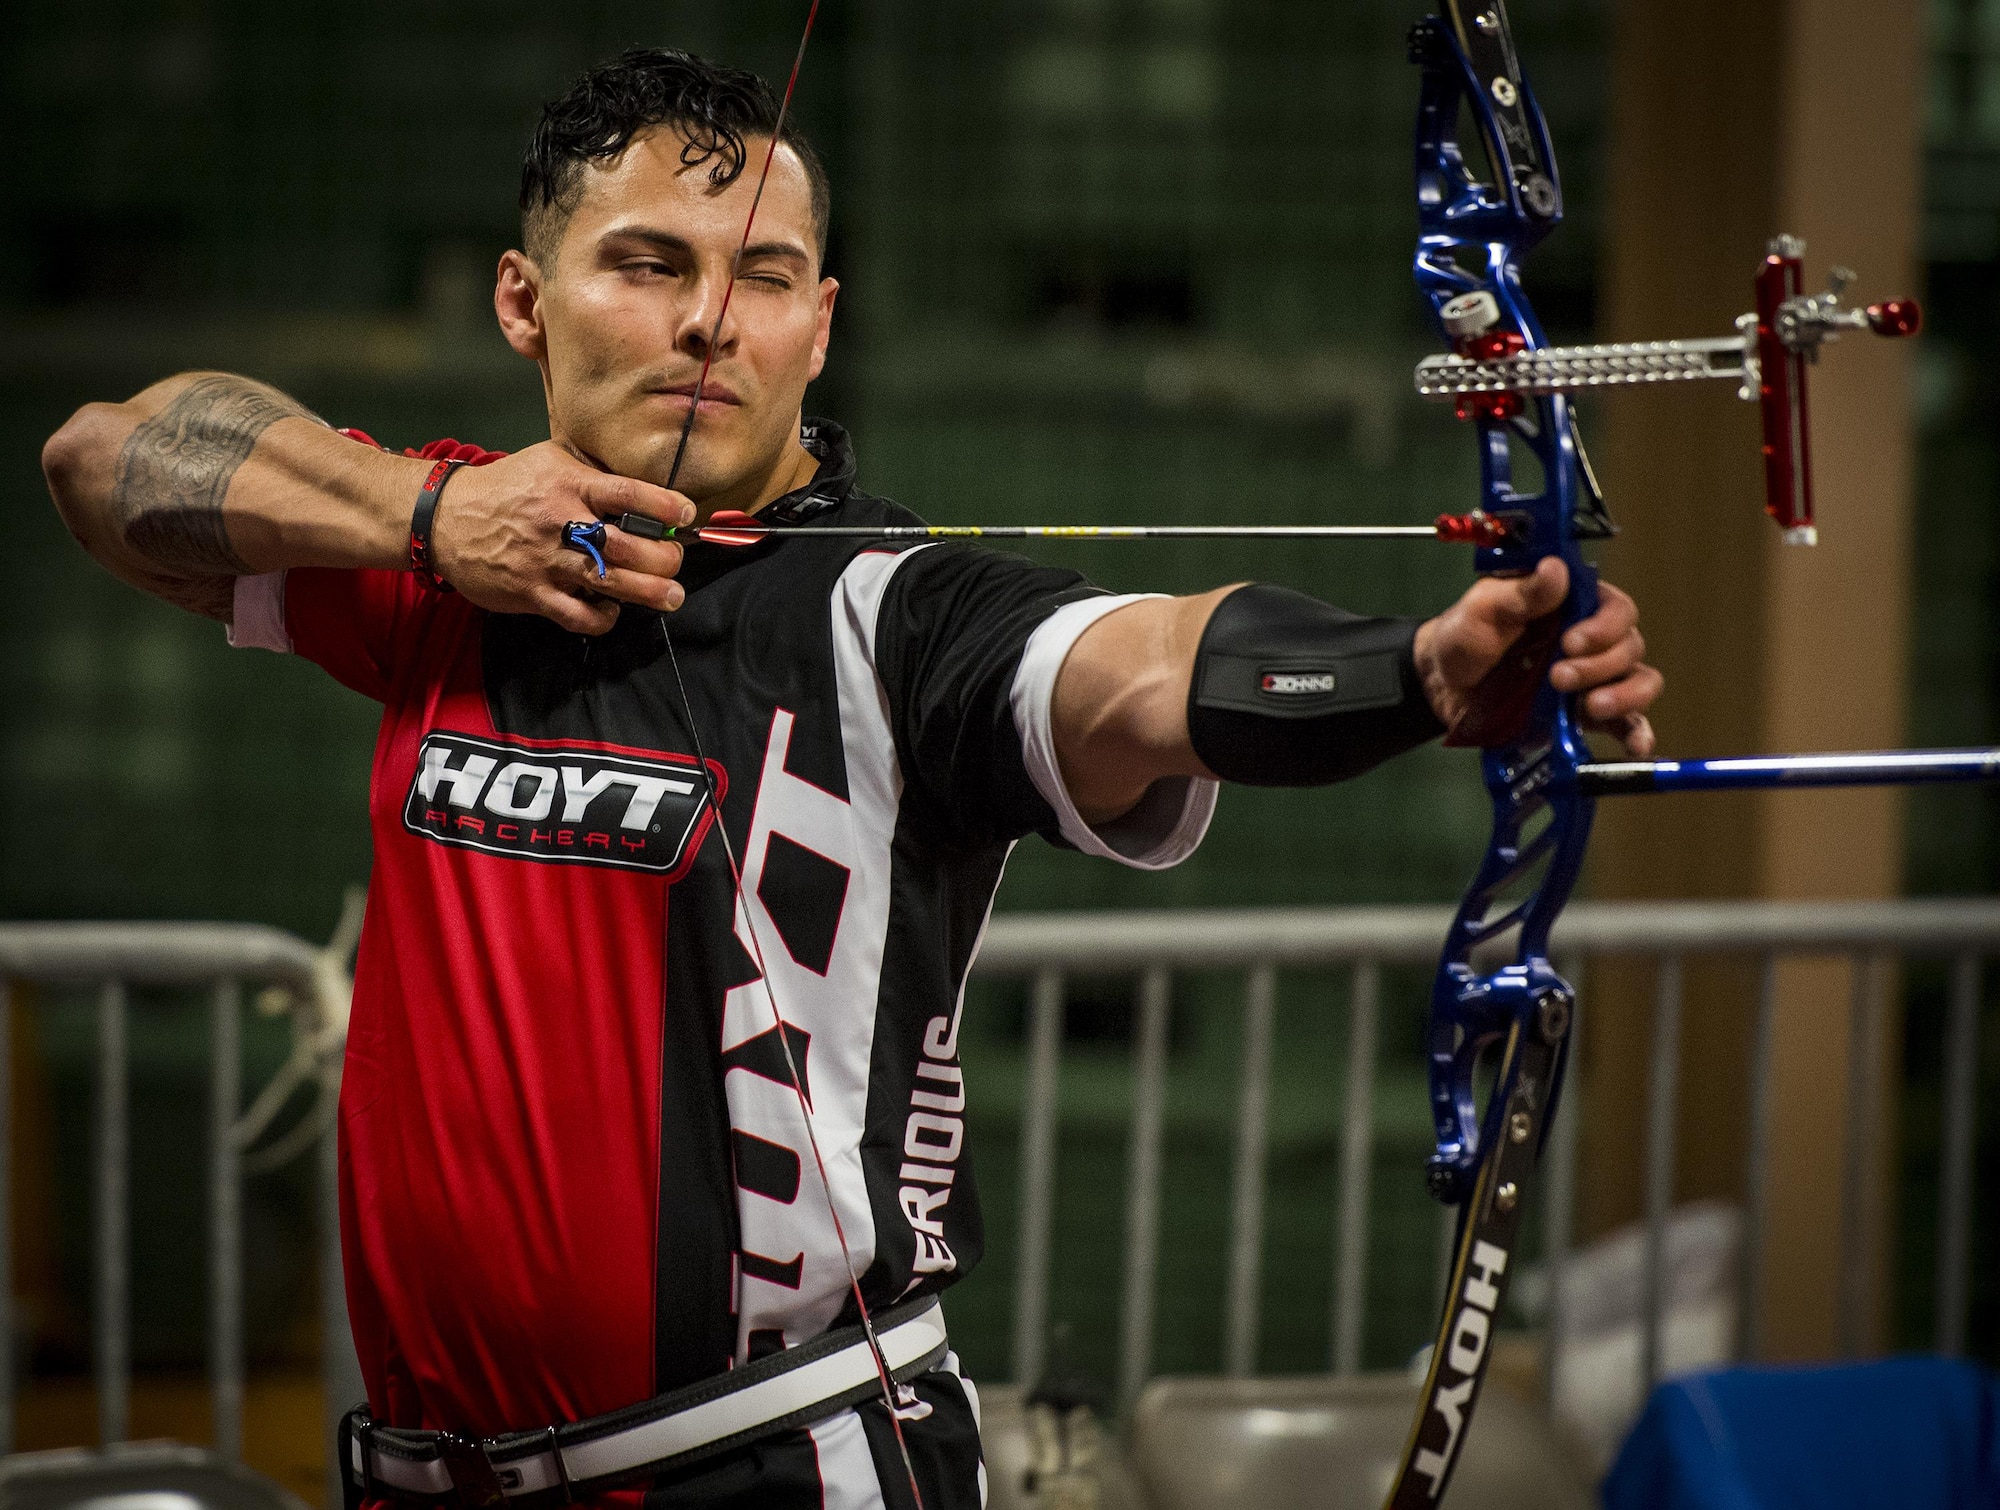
(1102, 260)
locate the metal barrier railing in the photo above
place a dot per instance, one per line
(113, 958)
(1153, 945)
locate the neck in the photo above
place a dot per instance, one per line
(789, 470)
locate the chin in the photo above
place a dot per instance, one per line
(649, 456)
(644, 447)
(700, 477)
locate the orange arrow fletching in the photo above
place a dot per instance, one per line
(731, 527)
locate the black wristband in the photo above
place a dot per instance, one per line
(1290, 691)
(423, 519)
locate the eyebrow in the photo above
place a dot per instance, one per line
(666, 241)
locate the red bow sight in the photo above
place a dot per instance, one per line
(1491, 372)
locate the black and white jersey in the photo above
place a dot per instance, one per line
(574, 1169)
(885, 712)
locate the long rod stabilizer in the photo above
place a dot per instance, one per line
(1627, 778)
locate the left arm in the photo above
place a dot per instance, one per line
(1121, 700)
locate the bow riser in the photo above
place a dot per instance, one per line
(1473, 232)
(1541, 823)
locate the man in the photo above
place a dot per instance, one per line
(577, 1167)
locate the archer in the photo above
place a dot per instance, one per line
(635, 1109)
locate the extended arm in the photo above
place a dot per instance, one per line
(1121, 700)
(207, 477)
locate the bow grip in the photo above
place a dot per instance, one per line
(1499, 708)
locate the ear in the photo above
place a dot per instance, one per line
(517, 303)
(823, 326)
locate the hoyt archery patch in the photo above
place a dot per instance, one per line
(566, 804)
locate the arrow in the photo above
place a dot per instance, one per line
(729, 527)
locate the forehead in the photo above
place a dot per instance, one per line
(649, 178)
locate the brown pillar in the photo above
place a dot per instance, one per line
(1735, 120)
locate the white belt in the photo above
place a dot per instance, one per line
(796, 1387)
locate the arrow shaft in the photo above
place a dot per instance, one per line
(1088, 531)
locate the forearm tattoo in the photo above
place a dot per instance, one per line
(175, 470)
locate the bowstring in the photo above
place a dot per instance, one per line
(736, 263)
(885, 1376)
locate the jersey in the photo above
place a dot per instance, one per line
(573, 1167)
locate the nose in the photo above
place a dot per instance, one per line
(706, 319)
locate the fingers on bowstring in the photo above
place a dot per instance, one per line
(577, 576)
(654, 559)
(609, 495)
(642, 589)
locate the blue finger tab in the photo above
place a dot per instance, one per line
(587, 538)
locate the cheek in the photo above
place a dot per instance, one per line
(600, 335)
(594, 362)
(790, 348)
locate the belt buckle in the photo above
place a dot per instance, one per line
(474, 1482)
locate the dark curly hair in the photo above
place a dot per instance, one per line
(714, 107)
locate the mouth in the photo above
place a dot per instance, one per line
(715, 394)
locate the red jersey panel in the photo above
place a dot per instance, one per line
(499, 1118)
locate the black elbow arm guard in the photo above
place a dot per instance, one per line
(1290, 691)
